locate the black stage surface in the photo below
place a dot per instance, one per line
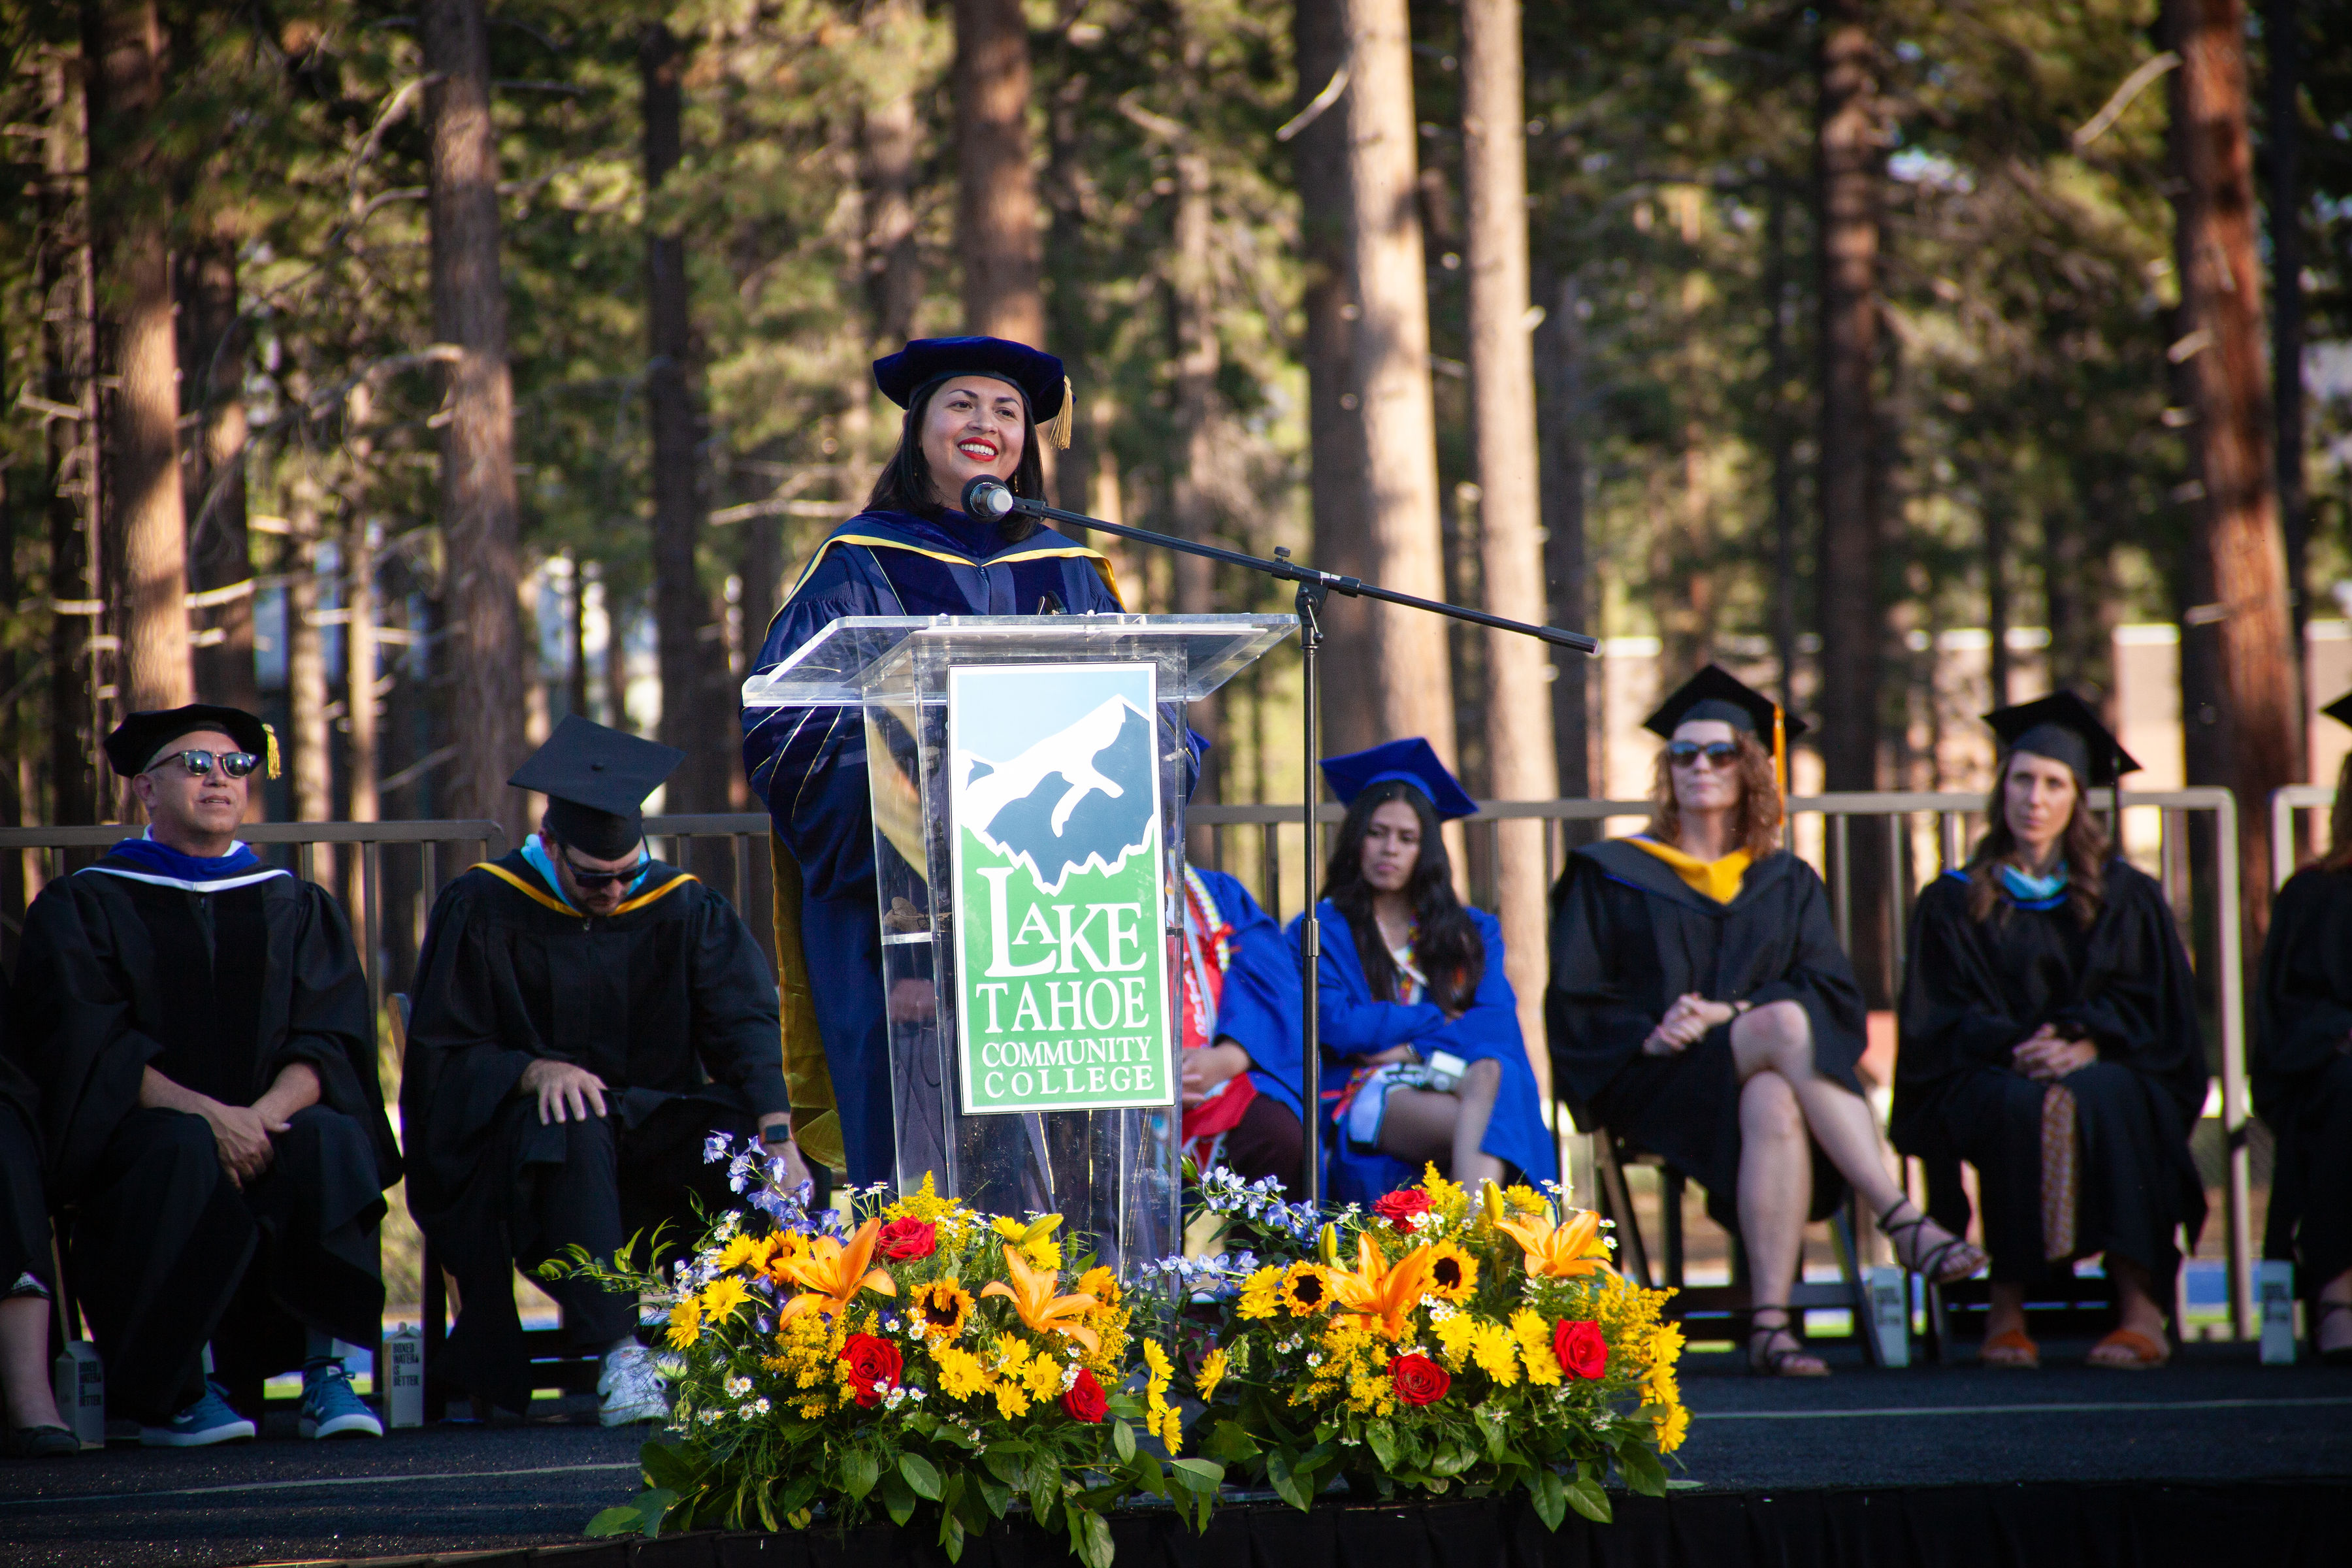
(1924, 1466)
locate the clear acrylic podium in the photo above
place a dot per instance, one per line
(1110, 1173)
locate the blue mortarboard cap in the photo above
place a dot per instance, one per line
(1037, 373)
(1411, 760)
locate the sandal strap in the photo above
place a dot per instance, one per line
(1905, 1238)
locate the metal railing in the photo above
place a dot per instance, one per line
(2286, 841)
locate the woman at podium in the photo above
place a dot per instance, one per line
(975, 406)
(1423, 1056)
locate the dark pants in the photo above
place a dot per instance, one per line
(1266, 1142)
(2310, 1204)
(600, 1183)
(2135, 1182)
(24, 1262)
(167, 1253)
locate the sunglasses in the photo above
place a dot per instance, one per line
(235, 764)
(592, 879)
(1720, 754)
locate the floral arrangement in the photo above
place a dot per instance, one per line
(912, 1357)
(1433, 1344)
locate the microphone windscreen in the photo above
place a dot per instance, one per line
(988, 498)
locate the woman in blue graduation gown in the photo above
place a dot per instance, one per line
(1423, 1059)
(974, 407)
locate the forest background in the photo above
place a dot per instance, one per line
(414, 371)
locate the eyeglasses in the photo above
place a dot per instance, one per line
(592, 879)
(1719, 754)
(235, 764)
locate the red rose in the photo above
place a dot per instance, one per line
(902, 1240)
(1418, 1380)
(1084, 1401)
(1581, 1351)
(1402, 1207)
(874, 1366)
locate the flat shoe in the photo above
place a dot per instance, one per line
(2026, 1353)
(2146, 1353)
(40, 1443)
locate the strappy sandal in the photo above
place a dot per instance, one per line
(1946, 1263)
(2341, 1355)
(1765, 1360)
(2010, 1348)
(2146, 1353)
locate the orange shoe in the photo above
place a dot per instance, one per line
(2010, 1348)
(2139, 1353)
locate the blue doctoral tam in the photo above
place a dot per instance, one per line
(1411, 760)
(1037, 373)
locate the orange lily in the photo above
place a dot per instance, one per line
(1378, 1294)
(832, 1274)
(1561, 1251)
(1031, 1295)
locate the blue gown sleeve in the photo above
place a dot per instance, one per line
(1259, 1008)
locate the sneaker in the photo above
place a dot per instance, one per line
(330, 1408)
(632, 1388)
(209, 1420)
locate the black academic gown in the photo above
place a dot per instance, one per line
(2302, 1069)
(668, 1000)
(1973, 990)
(25, 1264)
(1628, 936)
(218, 991)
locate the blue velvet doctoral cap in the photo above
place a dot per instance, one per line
(1037, 373)
(1411, 760)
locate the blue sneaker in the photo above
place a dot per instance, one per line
(330, 1408)
(209, 1420)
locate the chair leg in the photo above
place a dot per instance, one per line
(1857, 1288)
(437, 1336)
(1618, 1202)
(1670, 1194)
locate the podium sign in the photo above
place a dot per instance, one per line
(1062, 976)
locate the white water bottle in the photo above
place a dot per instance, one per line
(79, 1381)
(1890, 1315)
(2274, 1294)
(401, 1373)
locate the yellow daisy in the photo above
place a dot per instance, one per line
(1259, 1292)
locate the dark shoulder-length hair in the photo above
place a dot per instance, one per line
(2084, 848)
(2339, 821)
(1445, 943)
(904, 482)
(1758, 817)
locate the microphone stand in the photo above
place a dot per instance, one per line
(994, 499)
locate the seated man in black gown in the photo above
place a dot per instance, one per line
(586, 1017)
(197, 1026)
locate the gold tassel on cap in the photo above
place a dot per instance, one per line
(1780, 747)
(1063, 424)
(270, 735)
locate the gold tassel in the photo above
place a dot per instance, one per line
(1780, 749)
(1063, 424)
(270, 735)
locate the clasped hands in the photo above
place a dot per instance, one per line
(2045, 1056)
(1685, 1024)
(566, 1091)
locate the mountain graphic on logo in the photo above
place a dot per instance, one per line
(1076, 799)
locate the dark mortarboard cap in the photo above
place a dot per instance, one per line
(2062, 728)
(1037, 373)
(1411, 761)
(1715, 693)
(596, 781)
(2340, 710)
(135, 741)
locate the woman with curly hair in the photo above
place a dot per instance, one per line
(1423, 1056)
(2050, 1039)
(1701, 1008)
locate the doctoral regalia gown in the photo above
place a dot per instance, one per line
(667, 1000)
(1974, 990)
(217, 974)
(1241, 983)
(1351, 1023)
(2302, 1069)
(808, 765)
(1629, 935)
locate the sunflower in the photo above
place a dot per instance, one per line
(941, 1308)
(1453, 1273)
(1304, 1289)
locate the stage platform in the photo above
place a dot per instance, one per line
(1927, 1465)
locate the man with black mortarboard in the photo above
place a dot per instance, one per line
(586, 1017)
(197, 1026)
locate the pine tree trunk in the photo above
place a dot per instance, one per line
(311, 767)
(1520, 760)
(2283, 62)
(1337, 493)
(1193, 489)
(131, 247)
(1408, 664)
(1559, 410)
(75, 481)
(892, 134)
(2221, 353)
(996, 190)
(213, 390)
(692, 673)
(479, 516)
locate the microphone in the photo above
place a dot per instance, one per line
(990, 498)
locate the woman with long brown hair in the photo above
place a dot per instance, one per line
(2301, 1067)
(1701, 1008)
(2050, 1039)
